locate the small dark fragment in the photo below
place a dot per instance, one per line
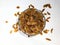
(17, 7)
(51, 30)
(28, 35)
(46, 31)
(48, 13)
(48, 39)
(48, 17)
(47, 5)
(44, 13)
(31, 6)
(47, 20)
(43, 10)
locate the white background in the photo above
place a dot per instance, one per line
(7, 10)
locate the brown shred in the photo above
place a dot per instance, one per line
(47, 20)
(43, 10)
(45, 13)
(46, 31)
(47, 5)
(52, 30)
(48, 13)
(48, 39)
(48, 17)
(17, 7)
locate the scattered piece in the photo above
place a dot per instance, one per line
(31, 6)
(48, 17)
(47, 5)
(6, 21)
(28, 35)
(15, 14)
(47, 20)
(51, 30)
(10, 31)
(43, 10)
(46, 31)
(44, 13)
(17, 7)
(48, 13)
(15, 27)
(18, 13)
(48, 39)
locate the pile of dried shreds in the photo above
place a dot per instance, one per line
(32, 21)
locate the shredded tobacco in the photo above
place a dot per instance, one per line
(46, 31)
(52, 30)
(32, 21)
(17, 7)
(43, 10)
(48, 17)
(48, 13)
(47, 5)
(47, 20)
(45, 13)
(15, 27)
(15, 14)
(48, 39)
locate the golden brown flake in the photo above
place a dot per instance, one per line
(46, 31)
(47, 20)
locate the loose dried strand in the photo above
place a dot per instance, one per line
(48, 13)
(46, 31)
(43, 10)
(31, 6)
(47, 5)
(48, 39)
(52, 30)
